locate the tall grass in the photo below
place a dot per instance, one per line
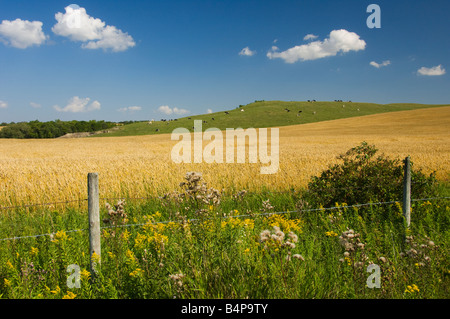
(235, 248)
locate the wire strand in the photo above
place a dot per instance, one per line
(235, 216)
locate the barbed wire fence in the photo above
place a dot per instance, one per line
(94, 208)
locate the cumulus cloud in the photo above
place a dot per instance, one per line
(130, 109)
(310, 37)
(77, 25)
(79, 105)
(379, 65)
(247, 52)
(3, 104)
(338, 41)
(35, 105)
(22, 34)
(168, 111)
(433, 71)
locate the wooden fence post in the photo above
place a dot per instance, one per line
(94, 221)
(407, 191)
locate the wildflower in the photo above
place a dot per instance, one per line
(56, 291)
(247, 250)
(331, 234)
(383, 259)
(137, 272)
(299, 257)
(34, 251)
(265, 235)
(60, 236)
(85, 274)
(7, 282)
(126, 235)
(412, 289)
(293, 237)
(178, 279)
(8, 263)
(111, 255)
(95, 257)
(266, 206)
(70, 295)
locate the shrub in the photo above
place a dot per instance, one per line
(363, 177)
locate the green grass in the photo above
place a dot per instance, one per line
(268, 114)
(225, 257)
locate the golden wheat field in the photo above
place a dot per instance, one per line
(40, 171)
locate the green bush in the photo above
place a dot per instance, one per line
(363, 177)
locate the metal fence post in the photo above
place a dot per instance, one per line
(94, 221)
(407, 191)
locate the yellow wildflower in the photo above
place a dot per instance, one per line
(140, 240)
(137, 272)
(111, 255)
(125, 235)
(34, 251)
(331, 234)
(412, 289)
(60, 236)
(56, 291)
(85, 274)
(8, 263)
(70, 295)
(7, 282)
(95, 257)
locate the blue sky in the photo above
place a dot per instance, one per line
(142, 60)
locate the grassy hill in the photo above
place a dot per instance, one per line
(268, 114)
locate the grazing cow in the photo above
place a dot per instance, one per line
(157, 130)
(242, 110)
(212, 118)
(300, 111)
(204, 121)
(309, 101)
(227, 113)
(314, 112)
(189, 118)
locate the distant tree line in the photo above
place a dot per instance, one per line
(52, 129)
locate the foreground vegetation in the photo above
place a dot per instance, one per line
(197, 242)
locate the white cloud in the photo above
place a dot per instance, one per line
(79, 105)
(379, 65)
(168, 111)
(3, 104)
(77, 25)
(435, 70)
(22, 34)
(130, 109)
(35, 105)
(209, 111)
(247, 52)
(338, 41)
(310, 37)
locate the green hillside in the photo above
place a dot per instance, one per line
(268, 114)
